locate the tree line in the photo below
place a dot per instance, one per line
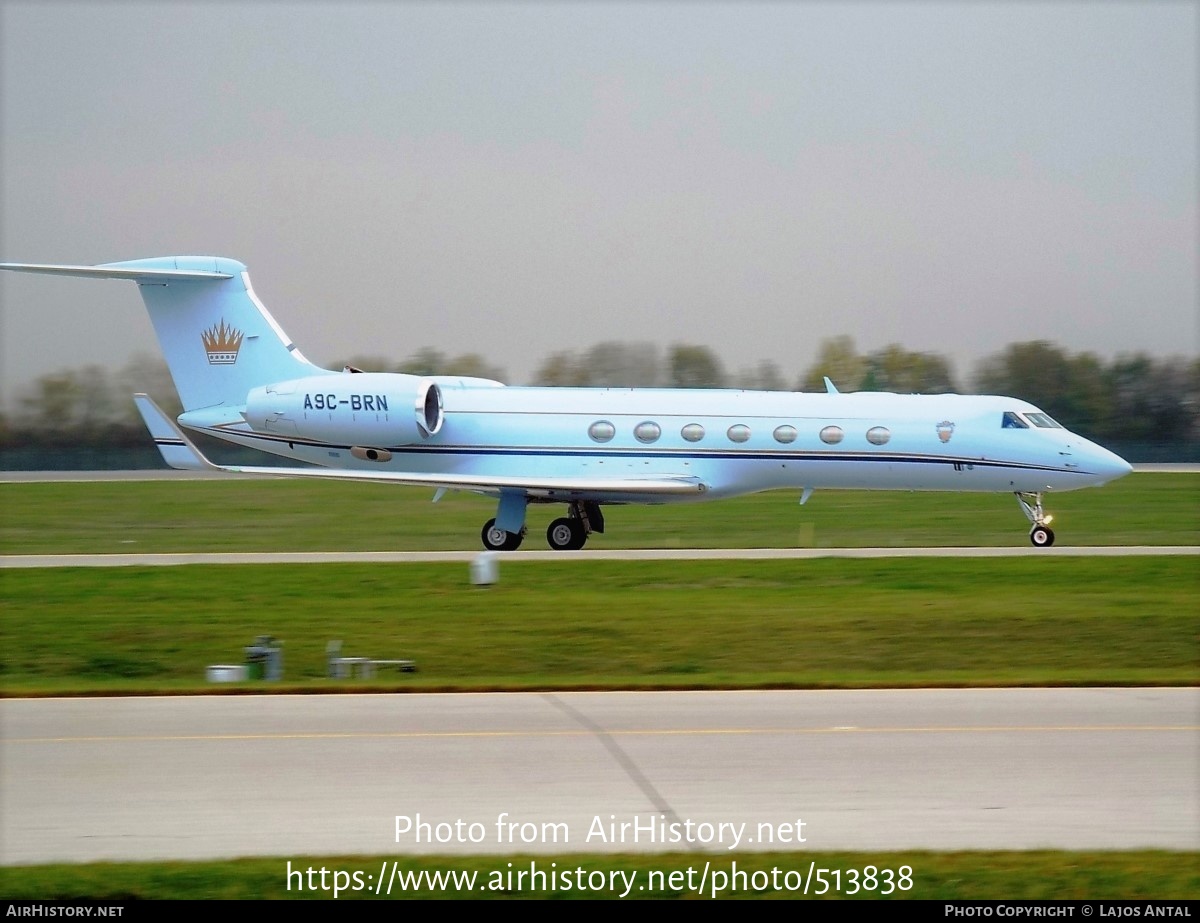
(1132, 399)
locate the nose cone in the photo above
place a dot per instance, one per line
(1105, 465)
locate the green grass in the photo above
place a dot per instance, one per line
(934, 876)
(598, 624)
(304, 515)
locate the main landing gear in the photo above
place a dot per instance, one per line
(498, 540)
(568, 533)
(1041, 534)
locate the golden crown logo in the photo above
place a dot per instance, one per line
(222, 343)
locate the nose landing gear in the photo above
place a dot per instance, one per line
(1041, 535)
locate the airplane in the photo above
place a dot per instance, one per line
(241, 379)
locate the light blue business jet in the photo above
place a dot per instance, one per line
(241, 379)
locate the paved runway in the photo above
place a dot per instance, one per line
(616, 554)
(210, 776)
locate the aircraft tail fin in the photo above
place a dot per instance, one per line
(218, 339)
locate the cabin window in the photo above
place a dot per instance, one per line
(1012, 421)
(878, 435)
(647, 432)
(693, 432)
(1043, 420)
(739, 432)
(602, 431)
(832, 435)
(785, 434)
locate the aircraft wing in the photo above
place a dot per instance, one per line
(180, 452)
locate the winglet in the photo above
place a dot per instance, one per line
(177, 450)
(830, 388)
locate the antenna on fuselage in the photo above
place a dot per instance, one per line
(830, 387)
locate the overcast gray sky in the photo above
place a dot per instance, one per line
(516, 179)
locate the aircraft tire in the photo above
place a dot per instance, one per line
(566, 535)
(498, 540)
(1041, 536)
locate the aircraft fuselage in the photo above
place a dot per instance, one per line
(733, 442)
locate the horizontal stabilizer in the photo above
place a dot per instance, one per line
(117, 271)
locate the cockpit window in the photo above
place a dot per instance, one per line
(1012, 421)
(1043, 420)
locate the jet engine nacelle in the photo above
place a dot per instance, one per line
(371, 408)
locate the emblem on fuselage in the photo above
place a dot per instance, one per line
(221, 343)
(945, 430)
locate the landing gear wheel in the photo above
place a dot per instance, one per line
(498, 540)
(566, 535)
(1042, 536)
(1040, 533)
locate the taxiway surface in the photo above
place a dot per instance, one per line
(221, 776)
